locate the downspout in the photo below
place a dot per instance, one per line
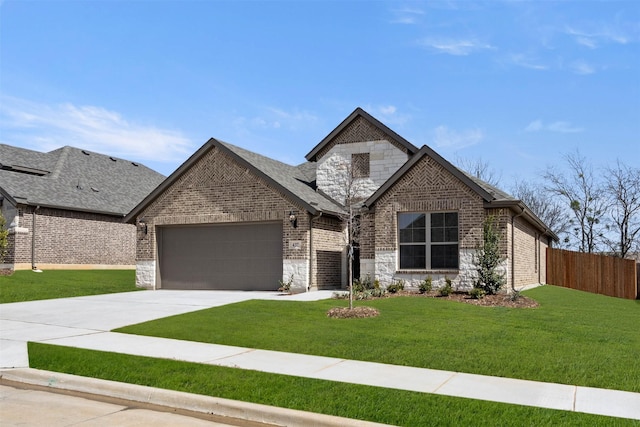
(33, 240)
(513, 250)
(311, 219)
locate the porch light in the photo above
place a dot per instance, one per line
(293, 219)
(142, 226)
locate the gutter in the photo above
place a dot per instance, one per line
(33, 240)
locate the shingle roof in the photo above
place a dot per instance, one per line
(74, 179)
(296, 179)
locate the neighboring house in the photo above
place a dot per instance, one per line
(229, 218)
(66, 208)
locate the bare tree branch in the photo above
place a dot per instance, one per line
(480, 169)
(622, 186)
(584, 197)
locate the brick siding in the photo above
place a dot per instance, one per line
(428, 187)
(66, 237)
(217, 189)
(328, 244)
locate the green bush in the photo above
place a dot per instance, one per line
(488, 259)
(426, 285)
(396, 286)
(477, 293)
(446, 289)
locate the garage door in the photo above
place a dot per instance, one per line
(234, 256)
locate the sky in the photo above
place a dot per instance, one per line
(515, 84)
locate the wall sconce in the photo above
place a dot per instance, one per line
(293, 219)
(142, 226)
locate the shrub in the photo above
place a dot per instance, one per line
(446, 290)
(362, 284)
(396, 286)
(286, 286)
(488, 259)
(426, 285)
(477, 293)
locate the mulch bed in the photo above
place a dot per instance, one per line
(346, 313)
(500, 300)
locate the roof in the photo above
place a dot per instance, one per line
(359, 112)
(74, 179)
(295, 182)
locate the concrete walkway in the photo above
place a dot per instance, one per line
(84, 322)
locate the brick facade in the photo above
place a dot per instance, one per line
(217, 190)
(329, 270)
(70, 239)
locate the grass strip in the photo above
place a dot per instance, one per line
(572, 338)
(376, 404)
(25, 285)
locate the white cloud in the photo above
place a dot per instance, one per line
(581, 67)
(558, 126)
(593, 39)
(448, 138)
(46, 127)
(525, 61)
(457, 47)
(406, 16)
(275, 118)
(387, 114)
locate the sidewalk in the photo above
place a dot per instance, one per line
(506, 390)
(85, 322)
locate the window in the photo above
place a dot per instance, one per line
(428, 240)
(360, 165)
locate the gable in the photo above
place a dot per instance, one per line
(360, 126)
(216, 188)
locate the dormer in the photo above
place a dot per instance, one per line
(360, 149)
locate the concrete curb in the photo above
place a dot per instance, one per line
(175, 400)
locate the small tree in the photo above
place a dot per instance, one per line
(4, 238)
(488, 259)
(351, 193)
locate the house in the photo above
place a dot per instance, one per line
(66, 208)
(229, 218)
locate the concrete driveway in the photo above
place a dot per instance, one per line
(69, 317)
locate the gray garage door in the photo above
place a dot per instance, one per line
(234, 256)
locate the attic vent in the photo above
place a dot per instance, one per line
(113, 160)
(25, 170)
(86, 153)
(134, 164)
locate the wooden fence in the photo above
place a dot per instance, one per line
(598, 274)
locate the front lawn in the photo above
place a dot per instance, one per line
(572, 338)
(377, 404)
(26, 285)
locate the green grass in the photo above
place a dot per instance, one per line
(346, 400)
(29, 286)
(572, 338)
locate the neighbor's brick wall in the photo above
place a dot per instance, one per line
(216, 190)
(69, 237)
(328, 247)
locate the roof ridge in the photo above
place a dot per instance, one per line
(62, 158)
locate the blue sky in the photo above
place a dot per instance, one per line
(515, 83)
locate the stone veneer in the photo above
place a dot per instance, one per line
(334, 168)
